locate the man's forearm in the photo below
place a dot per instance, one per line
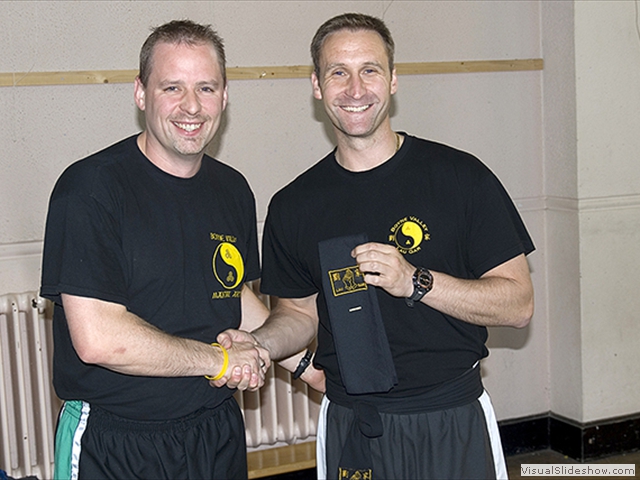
(291, 326)
(141, 349)
(502, 297)
(106, 334)
(284, 337)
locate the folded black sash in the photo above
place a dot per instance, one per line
(362, 346)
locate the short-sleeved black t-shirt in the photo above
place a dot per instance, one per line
(442, 208)
(174, 251)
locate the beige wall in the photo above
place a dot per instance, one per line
(608, 138)
(561, 247)
(591, 140)
(539, 131)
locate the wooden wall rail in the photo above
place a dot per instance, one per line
(24, 79)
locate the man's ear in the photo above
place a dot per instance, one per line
(225, 96)
(317, 91)
(394, 82)
(138, 93)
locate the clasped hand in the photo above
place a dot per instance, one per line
(248, 361)
(384, 266)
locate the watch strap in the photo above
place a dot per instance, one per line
(303, 365)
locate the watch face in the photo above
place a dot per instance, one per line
(422, 284)
(424, 279)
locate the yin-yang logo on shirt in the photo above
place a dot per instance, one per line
(228, 266)
(408, 234)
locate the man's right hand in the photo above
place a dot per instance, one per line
(313, 377)
(248, 361)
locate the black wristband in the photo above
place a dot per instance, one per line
(303, 365)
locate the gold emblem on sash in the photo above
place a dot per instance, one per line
(354, 474)
(347, 280)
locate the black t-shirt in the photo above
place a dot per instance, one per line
(174, 251)
(442, 208)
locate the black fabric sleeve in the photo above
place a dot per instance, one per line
(282, 274)
(496, 232)
(253, 270)
(83, 254)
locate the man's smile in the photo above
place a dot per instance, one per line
(188, 127)
(356, 109)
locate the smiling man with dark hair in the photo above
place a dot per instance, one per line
(398, 252)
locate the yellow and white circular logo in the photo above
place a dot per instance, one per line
(408, 234)
(228, 266)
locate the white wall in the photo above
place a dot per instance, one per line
(561, 241)
(607, 45)
(273, 130)
(522, 124)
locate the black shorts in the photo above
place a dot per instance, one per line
(92, 443)
(461, 443)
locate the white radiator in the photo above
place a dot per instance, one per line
(283, 412)
(28, 405)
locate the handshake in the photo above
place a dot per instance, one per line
(247, 363)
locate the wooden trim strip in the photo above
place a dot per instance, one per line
(30, 79)
(25, 79)
(476, 66)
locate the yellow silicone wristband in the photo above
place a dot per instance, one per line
(225, 363)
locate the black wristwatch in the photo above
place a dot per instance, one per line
(422, 284)
(303, 365)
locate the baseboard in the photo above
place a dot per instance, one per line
(582, 442)
(525, 435)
